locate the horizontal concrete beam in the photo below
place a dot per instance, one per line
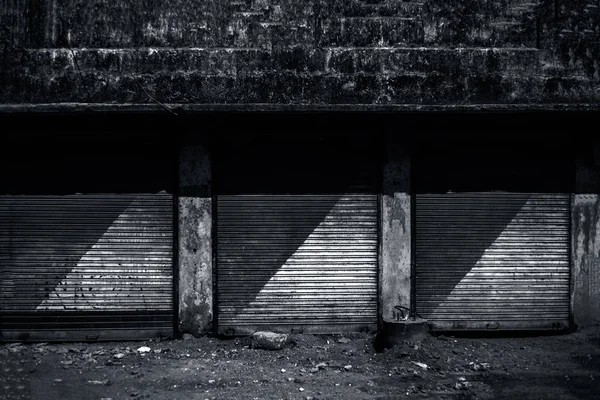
(96, 86)
(300, 108)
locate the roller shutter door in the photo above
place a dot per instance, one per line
(86, 234)
(80, 267)
(493, 260)
(297, 240)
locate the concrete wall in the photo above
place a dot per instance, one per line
(586, 258)
(395, 258)
(195, 240)
(291, 52)
(586, 236)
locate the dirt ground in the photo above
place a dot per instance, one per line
(313, 367)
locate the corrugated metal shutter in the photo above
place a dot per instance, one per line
(297, 262)
(493, 260)
(79, 267)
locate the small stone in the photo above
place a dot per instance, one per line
(321, 365)
(118, 356)
(349, 86)
(144, 349)
(188, 336)
(420, 364)
(57, 380)
(269, 340)
(343, 340)
(301, 389)
(103, 382)
(290, 379)
(283, 371)
(313, 370)
(347, 367)
(211, 381)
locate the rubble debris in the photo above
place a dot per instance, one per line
(475, 366)
(98, 382)
(144, 349)
(269, 340)
(420, 364)
(321, 365)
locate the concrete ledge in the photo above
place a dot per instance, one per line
(14, 108)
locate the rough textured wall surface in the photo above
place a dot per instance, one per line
(395, 259)
(585, 231)
(570, 44)
(297, 52)
(195, 241)
(586, 258)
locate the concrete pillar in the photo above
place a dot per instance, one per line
(195, 240)
(395, 268)
(586, 258)
(585, 274)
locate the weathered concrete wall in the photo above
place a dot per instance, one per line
(586, 258)
(585, 276)
(195, 240)
(395, 259)
(571, 39)
(284, 52)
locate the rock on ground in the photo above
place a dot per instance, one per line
(269, 340)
